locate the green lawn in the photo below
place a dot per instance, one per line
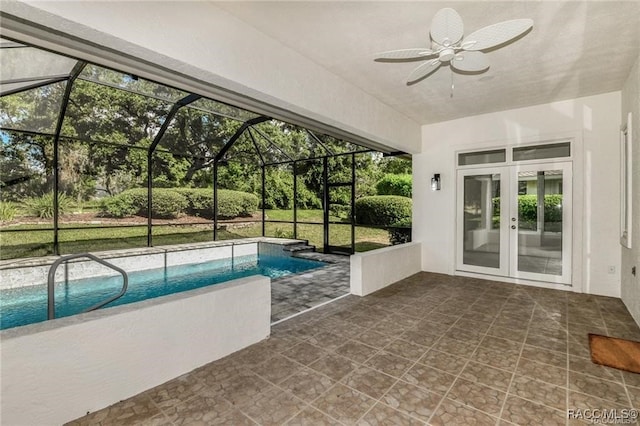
(40, 243)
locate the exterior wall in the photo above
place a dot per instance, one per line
(56, 371)
(631, 257)
(213, 46)
(591, 122)
(376, 269)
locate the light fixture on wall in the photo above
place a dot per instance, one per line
(435, 182)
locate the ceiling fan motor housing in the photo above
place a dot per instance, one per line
(446, 55)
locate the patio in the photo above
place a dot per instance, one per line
(430, 349)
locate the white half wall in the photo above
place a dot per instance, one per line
(56, 371)
(376, 269)
(592, 123)
(631, 257)
(203, 41)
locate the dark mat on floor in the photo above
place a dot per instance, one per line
(617, 353)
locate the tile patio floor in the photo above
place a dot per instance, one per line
(431, 349)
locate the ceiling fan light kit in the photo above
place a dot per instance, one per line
(449, 46)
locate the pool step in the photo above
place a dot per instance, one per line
(299, 248)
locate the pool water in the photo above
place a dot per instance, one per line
(27, 305)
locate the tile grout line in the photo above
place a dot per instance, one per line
(513, 375)
(435, 410)
(624, 383)
(568, 364)
(358, 365)
(379, 400)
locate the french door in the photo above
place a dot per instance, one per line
(515, 221)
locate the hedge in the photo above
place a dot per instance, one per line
(383, 210)
(170, 203)
(528, 209)
(167, 203)
(393, 184)
(400, 232)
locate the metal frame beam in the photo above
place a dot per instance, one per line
(232, 140)
(219, 156)
(75, 72)
(34, 86)
(273, 144)
(317, 139)
(163, 129)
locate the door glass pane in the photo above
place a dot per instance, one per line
(482, 220)
(540, 222)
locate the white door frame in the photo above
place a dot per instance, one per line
(508, 266)
(503, 269)
(567, 214)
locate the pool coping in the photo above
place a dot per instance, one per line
(141, 251)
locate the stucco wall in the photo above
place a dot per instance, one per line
(591, 122)
(376, 269)
(631, 257)
(57, 371)
(214, 46)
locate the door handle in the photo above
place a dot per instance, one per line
(513, 219)
(513, 227)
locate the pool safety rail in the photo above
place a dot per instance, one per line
(51, 281)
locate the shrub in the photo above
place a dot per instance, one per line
(42, 207)
(236, 203)
(383, 210)
(278, 192)
(307, 199)
(230, 203)
(167, 203)
(392, 184)
(528, 210)
(8, 210)
(117, 207)
(340, 211)
(199, 201)
(400, 232)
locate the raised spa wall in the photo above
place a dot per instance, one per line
(34, 271)
(59, 370)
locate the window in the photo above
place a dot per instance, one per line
(482, 157)
(539, 152)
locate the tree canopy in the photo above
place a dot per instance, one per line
(112, 119)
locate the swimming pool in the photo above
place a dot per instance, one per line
(27, 305)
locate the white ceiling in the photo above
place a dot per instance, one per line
(576, 48)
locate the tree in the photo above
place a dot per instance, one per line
(106, 133)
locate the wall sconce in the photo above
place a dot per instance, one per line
(435, 182)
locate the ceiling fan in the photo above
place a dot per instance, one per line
(449, 46)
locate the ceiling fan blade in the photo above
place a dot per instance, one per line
(470, 61)
(405, 54)
(496, 34)
(423, 70)
(447, 27)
